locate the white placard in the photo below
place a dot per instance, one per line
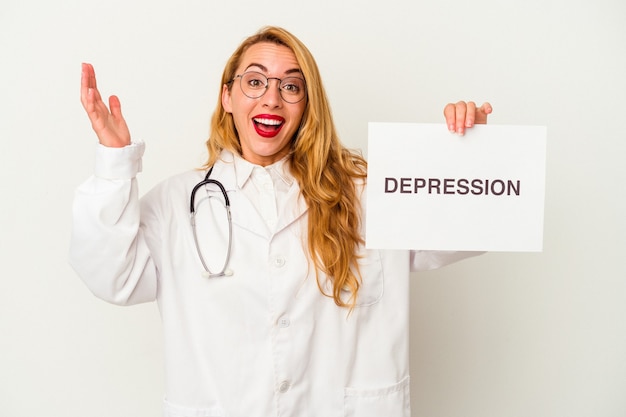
(432, 190)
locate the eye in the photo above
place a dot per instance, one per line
(255, 81)
(292, 85)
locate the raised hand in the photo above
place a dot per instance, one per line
(110, 126)
(462, 115)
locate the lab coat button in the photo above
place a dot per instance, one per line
(284, 322)
(279, 262)
(284, 387)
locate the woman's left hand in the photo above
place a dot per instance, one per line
(462, 115)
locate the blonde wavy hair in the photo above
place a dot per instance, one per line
(326, 171)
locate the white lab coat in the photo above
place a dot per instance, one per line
(265, 341)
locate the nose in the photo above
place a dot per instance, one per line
(272, 97)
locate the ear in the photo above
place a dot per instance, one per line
(226, 99)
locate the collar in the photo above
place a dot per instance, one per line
(279, 171)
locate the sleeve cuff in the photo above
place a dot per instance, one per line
(119, 163)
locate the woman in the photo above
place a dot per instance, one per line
(281, 311)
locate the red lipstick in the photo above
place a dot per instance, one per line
(267, 125)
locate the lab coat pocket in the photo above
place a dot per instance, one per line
(372, 280)
(174, 410)
(393, 401)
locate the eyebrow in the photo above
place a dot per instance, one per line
(264, 69)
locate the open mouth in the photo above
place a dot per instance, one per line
(268, 126)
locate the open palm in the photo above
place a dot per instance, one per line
(108, 123)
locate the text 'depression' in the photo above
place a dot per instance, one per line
(452, 186)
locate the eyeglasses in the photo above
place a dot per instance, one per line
(254, 84)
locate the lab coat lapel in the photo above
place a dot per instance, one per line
(244, 214)
(294, 208)
(249, 218)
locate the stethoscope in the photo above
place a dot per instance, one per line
(192, 210)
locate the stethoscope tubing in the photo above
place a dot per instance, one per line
(192, 212)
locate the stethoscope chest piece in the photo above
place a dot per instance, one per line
(225, 273)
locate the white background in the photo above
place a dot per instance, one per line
(500, 335)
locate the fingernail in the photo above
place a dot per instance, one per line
(459, 131)
(451, 128)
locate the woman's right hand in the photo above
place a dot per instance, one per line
(110, 126)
